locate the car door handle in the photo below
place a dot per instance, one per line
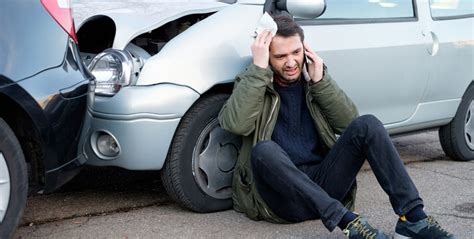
(433, 46)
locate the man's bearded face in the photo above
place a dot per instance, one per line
(286, 57)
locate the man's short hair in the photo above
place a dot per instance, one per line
(287, 27)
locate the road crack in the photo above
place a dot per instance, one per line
(453, 215)
(94, 214)
(442, 173)
(406, 163)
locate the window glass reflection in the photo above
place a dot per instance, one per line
(367, 9)
(451, 8)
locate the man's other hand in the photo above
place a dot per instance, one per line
(315, 68)
(260, 49)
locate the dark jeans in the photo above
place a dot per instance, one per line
(315, 191)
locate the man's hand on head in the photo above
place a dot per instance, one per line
(315, 67)
(261, 49)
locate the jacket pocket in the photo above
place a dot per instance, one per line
(243, 196)
(243, 183)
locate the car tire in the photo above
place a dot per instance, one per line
(12, 163)
(198, 171)
(457, 137)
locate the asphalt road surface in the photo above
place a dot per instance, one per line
(115, 203)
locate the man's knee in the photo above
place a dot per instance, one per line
(367, 123)
(366, 126)
(264, 150)
(368, 120)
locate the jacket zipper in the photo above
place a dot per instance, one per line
(313, 115)
(270, 118)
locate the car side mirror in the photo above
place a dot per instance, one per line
(308, 9)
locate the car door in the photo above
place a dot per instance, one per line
(376, 52)
(451, 28)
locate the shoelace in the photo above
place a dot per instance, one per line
(432, 222)
(362, 229)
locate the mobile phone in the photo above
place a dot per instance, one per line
(306, 61)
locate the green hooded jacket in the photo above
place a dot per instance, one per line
(252, 111)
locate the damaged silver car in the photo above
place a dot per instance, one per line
(164, 68)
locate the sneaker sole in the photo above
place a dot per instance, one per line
(398, 236)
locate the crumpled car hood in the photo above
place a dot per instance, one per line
(135, 17)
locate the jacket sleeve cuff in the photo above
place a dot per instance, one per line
(323, 83)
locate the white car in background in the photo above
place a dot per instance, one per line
(164, 69)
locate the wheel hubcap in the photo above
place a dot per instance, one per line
(4, 187)
(469, 126)
(214, 158)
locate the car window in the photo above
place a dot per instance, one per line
(451, 8)
(368, 9)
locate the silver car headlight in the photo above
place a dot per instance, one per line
(113, 69)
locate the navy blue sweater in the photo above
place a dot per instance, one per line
(295, 131)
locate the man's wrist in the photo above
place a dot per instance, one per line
(259, 68)
(262, 73)
(316, 81)
(261, 64)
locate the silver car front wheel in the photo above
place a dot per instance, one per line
(198, 170)
(214, 159)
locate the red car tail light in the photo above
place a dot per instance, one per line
(60, 10)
